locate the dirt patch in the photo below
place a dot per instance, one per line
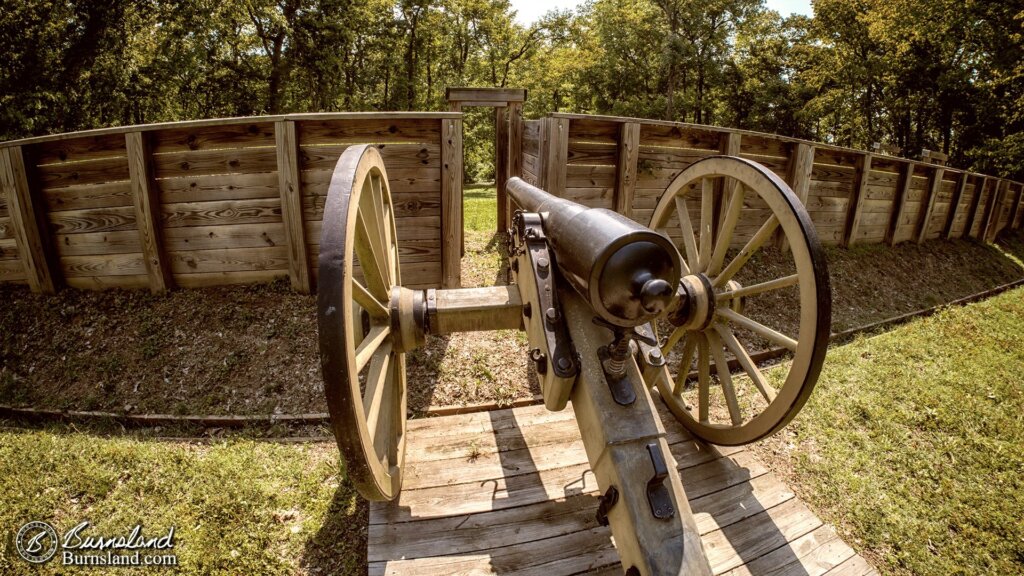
(253, 350)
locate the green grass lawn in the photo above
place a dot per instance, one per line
(913, 443)
(479, 202)
(238, 507)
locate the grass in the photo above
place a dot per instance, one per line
(238, 507)
(479, 207)
(913, 443)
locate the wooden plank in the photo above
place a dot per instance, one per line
(370, 131)
(11, 271)
(758, 535)
(229, 260)
(906, 178)
(979, 190)
(991, 208)
(855, 207)
(626, 167)
(223, 136)
(147, 204)
(801, 164)
(493, 96)
(1015, 217)
(30, 231)
(501, 163)
(855, 566)
(419, 155)
(207, 279)
(221, 213)
(557, 155)
(78, 149)
(456, 535)
(955, 202)
(128, 281)
(935, 181)
(291, 204)
(76, 173)
(93, 243)
(812, 554)
(95, 220)
(515, 151)
(680, 136)
(103, 195)
(451, 203)
(132, 264)
(219, 187)
(210, 162)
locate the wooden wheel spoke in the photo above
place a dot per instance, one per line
(757, 328)
(382, 429)
(763, 234)
(703, 379)
(370, 344)
(686, 227)
(673, 339)
(755, 289)
(689, 347)
(707, 216)
(376, 382)
(725, 378)
(373, 306)
(724, 239)
(737, 349)
(373, 262)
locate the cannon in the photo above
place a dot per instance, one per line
(617, 315)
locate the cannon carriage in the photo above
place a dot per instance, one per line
(617, 316)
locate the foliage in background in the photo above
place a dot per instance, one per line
(918, 74)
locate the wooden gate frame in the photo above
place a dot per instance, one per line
(508, 133)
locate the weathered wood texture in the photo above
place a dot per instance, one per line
(216, 202)
(851, 196)
(510, 491)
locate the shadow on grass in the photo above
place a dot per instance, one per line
(339, 546)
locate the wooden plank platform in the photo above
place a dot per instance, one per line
(510, 492)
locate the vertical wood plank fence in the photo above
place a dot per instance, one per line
(215, 202)
(853, 196)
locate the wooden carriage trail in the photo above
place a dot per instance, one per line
(510, 492)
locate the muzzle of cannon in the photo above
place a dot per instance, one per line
(614, 316)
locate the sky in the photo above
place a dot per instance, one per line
(530, 10)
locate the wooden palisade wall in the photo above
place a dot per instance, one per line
(218, 202)
(853, 196)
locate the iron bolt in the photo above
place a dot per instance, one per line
(564, 363)
(542, 264)
(551, 314)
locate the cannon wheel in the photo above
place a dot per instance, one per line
(363, 370)
(709, 271)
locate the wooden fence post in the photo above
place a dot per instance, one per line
(1016, 208)
(515, 151)
(991, 208)
(501, 172)
(30, 233)
(286, 137)
(856, 205)
(729, 144)
(972, 214)
(902, 190)
(626, 167)
(451, 203)
(147, 208)
(954, 206)
(800, 170)
(933, 191)
(557, 153)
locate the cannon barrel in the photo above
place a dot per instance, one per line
(627, 272)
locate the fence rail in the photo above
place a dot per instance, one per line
(853, 196)
(218, 201)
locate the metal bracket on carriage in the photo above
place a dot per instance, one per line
(551, 349)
